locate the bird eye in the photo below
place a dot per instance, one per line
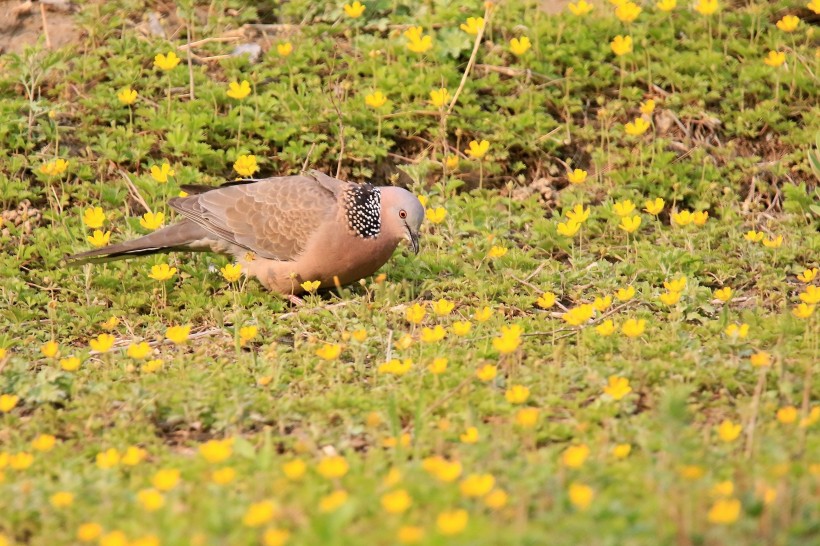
(402, 214)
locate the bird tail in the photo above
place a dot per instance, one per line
(176, 237)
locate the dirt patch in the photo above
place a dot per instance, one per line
(21, 24)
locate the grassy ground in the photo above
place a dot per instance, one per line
(505, 386)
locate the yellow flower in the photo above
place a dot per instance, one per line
(670, 298)
(70, 364)
(617, 387)
(111, 323)
(724, 511)
(451, 161)
(580, 495)
(729, 431)
(630, 224)
(151, 221)
(477, 150)
(469, 436)
(247, 333)
(435, 215)
(495, 499)
(7, 402)
(737, 330)
(375, 100)
(808, 275)
(706, 7)
(239, 91)
(127, 96)
(519, 46)
(223, 476)
(462, 327)
(666, 5)
(579, 213)
(625, 294)
(354, 10)
(606, 328)
(483, 315)
(165, 479)
(636, 127)
(409, 534)
(329, 351)
(723, 489)
(310, 286)
(284, 49)
(621, 45)
(517, 394)
(166, 62)
(108, 458)
(178, 334)
(633, 328)
(88, 532)
(579, 315)
(99, 239)
(50, 349)
(216, 451)
(811, 295)
(161, 173)
(114, 538)
(814, 5)
(788, 23)
(760, 359)
(622, 451)
(433, 335)
(627, 12)
(509, 340)
(396, 367)
(654, 207)
(581, 8)
(275, 537)
(441, 469)
(700, 217)
(443, 307)
(473, 25)
(803, 311)
(546, 300)
(477, 485)
(332, 467)
(486, 373)
(151, 366)
(497, 252)
(691, 472)
(231, 272)
(138, 351)
(723, 294)
(787, 415)
(417, 42)
(162, 272)
(452, 522)
(776, 242)
(569, 228)
(55, 168)
(575, 456)
(526, 417)
(43, 443)
(246, 165)
(754, 236)
(683, 218)
(775, 58)
(396, 502)
(440, 97)
(150, 499)
(647, 107)
(415, 314)
(133, 456)
(333, 501)
(21, 460)
(623, 208)
(102, 343)
(93, 217)
(577, 176)
(438, 366)
(676, 285)
(294, 470)
(260, 513)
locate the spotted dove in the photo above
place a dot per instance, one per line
(286, 230)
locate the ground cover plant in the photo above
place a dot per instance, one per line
(610, 335)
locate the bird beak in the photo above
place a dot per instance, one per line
(413, 240)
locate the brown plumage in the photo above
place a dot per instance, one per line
(287, 230)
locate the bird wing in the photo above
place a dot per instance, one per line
(274, 217)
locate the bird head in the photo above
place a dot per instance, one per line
(401, 215)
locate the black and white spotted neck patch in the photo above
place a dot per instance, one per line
(362, 204)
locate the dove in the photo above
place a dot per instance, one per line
(286, 230)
